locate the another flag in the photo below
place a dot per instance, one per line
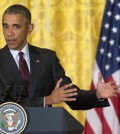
(107, 120)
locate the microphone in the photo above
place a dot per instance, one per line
(5, 96)
(22, 91)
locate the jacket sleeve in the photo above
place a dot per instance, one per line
(85, 99)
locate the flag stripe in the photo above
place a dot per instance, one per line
(88, 128)
(94, 122)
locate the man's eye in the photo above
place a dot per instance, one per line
(16, 26)
(5, 27)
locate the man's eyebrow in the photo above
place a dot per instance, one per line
(4, 24)
(16, 25)
(12, 24)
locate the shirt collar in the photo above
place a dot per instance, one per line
(25, 50)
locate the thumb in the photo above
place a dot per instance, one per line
(58, 83)
(99, 76)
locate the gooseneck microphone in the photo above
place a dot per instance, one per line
(5, 95)
(22, 92)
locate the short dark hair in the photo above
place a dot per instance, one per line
(19, 9)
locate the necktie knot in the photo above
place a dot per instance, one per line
(21, 55)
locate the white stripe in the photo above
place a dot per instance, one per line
(95, 74)
(111, 118)
(94, 121)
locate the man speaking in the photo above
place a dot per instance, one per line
(38, 71)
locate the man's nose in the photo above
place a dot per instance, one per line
(10, 32)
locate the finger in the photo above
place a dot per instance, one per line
(66, 86)
(71, 94)
(69, 99)
(58, 83)
(70, 90)
(112, 83)
(114, 93)
(116, 87)
(99, 76)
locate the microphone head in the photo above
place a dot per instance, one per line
(9, 86)
(23, 85)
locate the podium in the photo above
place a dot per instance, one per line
(51, 120)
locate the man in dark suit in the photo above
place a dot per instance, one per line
(47, 83)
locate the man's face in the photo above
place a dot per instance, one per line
(15, 31)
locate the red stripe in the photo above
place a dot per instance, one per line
(88, 129)
(105, 128)
(92, 85)
(116, 104)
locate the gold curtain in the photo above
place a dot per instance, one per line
(71, 28)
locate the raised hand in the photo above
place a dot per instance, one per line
(106, 90)
(61, 94)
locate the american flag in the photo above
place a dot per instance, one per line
(107, 120)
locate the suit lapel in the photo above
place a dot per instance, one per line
(35, 65)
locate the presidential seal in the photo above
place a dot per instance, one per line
(13, 118)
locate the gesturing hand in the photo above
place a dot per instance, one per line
(61, 94)
(106, 90)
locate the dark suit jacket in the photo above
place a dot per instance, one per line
(46, 70)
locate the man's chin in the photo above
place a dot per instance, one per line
(11, 46)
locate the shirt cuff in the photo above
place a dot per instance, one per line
(99, 99)
(44, 102)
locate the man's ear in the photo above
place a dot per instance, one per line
(30, 28)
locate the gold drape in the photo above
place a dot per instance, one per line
(71, 28)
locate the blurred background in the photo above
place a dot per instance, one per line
(72, 29)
